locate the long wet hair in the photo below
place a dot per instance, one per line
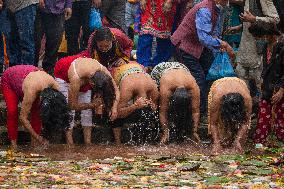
(233, 111)
(145, 122)
(103, 85)
(180, 112)
(55, 112)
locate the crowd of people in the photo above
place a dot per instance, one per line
(109, 73)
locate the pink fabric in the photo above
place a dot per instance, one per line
(13, 78)
(185, 37)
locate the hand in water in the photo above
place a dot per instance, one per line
(141, 102)
(152, 104)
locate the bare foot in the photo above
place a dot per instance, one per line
(87, 131)
(14, 145)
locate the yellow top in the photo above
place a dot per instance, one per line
(119, 73)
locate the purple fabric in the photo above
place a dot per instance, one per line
(186, 37)
(56, 6)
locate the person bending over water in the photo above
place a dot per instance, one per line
(39, 94)
(137, 86)
(179, 99)
(229, 111)
(78, 80)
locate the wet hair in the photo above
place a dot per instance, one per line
(144, 123)
(180, 112)
(233, 111)
(103, 85)
(262, 29)
(55, 112)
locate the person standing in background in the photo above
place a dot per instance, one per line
(5, 30)
(195, 39)
(50, 21)
(130, 12)
(22, 18)
(114, 11)
(249, 63)
(80, 18)
(232, 19)
(157, 19)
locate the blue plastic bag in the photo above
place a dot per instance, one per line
(95, 20)
(221, 67)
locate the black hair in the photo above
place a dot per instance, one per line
(180, 113)
(261, 29)
(144, 122)
(55, 112)
(233, 111)
(278, 52)
(101, 34)
(104, 86)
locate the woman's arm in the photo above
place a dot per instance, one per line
(73, 93)
(124, 109)
(214, 114)
(195, 94)
(164, 106)
(117, 95)
(243, 131)
(28, 100)
(154, 97)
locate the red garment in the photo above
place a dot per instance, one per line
(155, 22)
(123, 40)
(14, 77)
(12, 99)
(62, 66)
(185, 37)
(265, 121)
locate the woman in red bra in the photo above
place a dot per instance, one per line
(39, 94)
(78, 80)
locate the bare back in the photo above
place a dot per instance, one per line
(82, 69)
(223, 87)
(137, 85)
(226, 86)
(33, 84)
